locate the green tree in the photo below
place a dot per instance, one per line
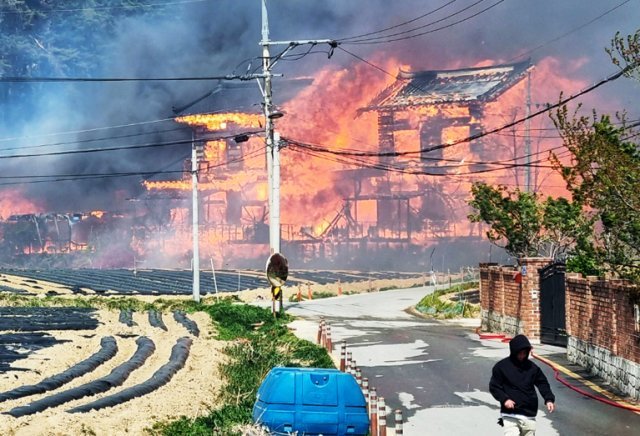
(514, 218)
(625, 53)
(602, 174)
(524, 224)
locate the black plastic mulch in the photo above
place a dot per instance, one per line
(33, 319)
(118, 375)
(161, 377)
(16, 346)
(108, 349)
(142, 282)
(189, 324)
(4, 288)
(126, 317)
(180, 282)
(155, 319)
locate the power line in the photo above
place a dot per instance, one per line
(399, 25)
(416, 28)
(380, 41)
(89, 176)
(84, 141)
(97, 129)
(21, 79)
(557, 38)
(430, 171)
(394, 166)
(503, 127)
(128, 147)
(94, 129)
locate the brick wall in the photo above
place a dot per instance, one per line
(601, 325)
(508, 306)
(599, 318)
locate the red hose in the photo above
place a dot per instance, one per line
(556, 374)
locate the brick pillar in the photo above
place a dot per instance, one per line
(530, 289)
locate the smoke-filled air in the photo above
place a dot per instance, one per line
(386, 114)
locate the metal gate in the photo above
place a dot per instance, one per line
(552, 302)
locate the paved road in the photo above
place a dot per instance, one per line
(438, 372)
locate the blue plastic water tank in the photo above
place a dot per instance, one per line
(311, 401)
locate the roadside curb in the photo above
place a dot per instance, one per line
(376, 406)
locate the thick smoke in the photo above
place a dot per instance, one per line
(221, 37)
(214, 38)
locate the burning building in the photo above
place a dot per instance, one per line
(378, 210)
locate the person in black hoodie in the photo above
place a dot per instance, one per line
(513, 383)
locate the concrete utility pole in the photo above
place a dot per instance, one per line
(196, 152)
(527, 139)
(272, 138)
(273, 148)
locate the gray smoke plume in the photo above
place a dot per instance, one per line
(211, 38)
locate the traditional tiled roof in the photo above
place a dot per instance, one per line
(467, 85)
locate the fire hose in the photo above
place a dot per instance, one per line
(556, 375)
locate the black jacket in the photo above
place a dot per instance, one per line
(514, 380)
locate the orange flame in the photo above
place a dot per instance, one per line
(221, 121)
(13, 202)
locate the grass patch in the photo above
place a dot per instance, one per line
(103, 302)
(434, 306)
(252, 352)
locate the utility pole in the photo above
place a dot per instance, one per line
(273, 149)
(527, 139)
(272, 138)
(196, 152)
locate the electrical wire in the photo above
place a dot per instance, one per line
(97, 129)
(404, 32)
(479, 135)
(84, 141)
(127, 147)
(458, 162)
(308, 121)
(89, 176)
(398, 25)
(557, 38)
(447, 26)
(23, 79)
(352, 161)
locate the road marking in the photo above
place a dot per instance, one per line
(584, 381)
